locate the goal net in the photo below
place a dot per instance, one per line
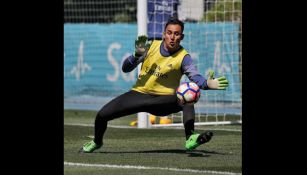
(99, 35)
(213, 39)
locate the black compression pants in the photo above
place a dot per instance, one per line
(133, 102)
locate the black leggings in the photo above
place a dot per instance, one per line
(133, 102)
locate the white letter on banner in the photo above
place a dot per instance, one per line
(113, 62)
(81, 66)
(219, 64)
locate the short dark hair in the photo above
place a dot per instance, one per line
(174, 20)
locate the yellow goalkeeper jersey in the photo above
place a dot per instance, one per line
(160, 75)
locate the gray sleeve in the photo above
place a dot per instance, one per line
(130, 63)
(190, 70)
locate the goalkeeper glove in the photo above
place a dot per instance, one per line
(219, 83)
(141, 46)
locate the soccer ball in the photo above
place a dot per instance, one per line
(188, 93)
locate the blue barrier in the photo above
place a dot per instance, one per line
(93, 55)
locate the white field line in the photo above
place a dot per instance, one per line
(149, 168)
(172, 127)
(92, 125)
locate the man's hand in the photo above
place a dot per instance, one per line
(219, 83)
(141, 46)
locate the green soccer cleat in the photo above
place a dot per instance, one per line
(197, 139)
(89, 147)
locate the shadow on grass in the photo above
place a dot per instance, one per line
(192, 153)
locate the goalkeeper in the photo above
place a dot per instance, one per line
(164, 63)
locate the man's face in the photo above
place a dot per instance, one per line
(172, 37)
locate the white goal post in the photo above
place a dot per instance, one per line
(143, 118)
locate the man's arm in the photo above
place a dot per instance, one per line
(189, 69)
(142, 46)
(131, 63)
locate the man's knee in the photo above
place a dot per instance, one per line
(101, 117)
